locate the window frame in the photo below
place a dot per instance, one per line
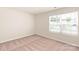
(77, 27)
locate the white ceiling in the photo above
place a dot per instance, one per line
(35, 10)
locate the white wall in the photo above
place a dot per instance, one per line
(15, 24)
(42, 27)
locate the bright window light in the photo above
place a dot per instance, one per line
(65, 23)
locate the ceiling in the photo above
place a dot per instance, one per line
(35, 10)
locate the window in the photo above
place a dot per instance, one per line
(65, 23)
(54, 23)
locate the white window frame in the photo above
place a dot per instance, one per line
(61, 29)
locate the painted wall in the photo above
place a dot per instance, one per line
(42, 27)
(15, 24)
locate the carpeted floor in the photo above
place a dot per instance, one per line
(36, 43)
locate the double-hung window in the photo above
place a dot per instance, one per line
(65, 23)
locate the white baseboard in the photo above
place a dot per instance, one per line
(42, 36)
(15, 38)
(57, 39)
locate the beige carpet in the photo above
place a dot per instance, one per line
(36, 43)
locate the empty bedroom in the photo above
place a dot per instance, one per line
(39, 28)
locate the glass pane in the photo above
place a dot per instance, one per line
(70, 23)
(54, 23)
(65, 23)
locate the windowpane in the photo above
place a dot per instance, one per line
(54, 23)
(70, 23)
(65, 23)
